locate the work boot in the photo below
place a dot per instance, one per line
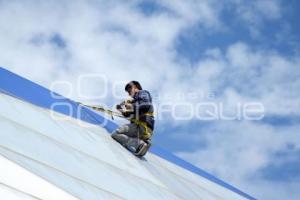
(142, 149)
(132, 149)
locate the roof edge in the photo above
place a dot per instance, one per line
(26, 90)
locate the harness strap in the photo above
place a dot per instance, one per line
(151, 114)
(147, 133)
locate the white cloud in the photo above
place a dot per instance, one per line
(254, 13)
(206, 12)
(241, 75)
(98, 34)
(269, 8)
(265, 75)
(237, 152)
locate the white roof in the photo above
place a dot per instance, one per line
(47, 155)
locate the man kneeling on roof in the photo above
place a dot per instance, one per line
(136, 136)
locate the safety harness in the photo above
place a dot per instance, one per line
(148, 131)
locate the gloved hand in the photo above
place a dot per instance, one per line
(129, 101)
(129, 106)
(126, 114)
(118, 107)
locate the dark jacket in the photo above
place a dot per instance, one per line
(142, 106)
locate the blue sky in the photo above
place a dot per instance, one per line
(240, 51)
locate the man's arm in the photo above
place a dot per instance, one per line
(143, 102)
(125, 107)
